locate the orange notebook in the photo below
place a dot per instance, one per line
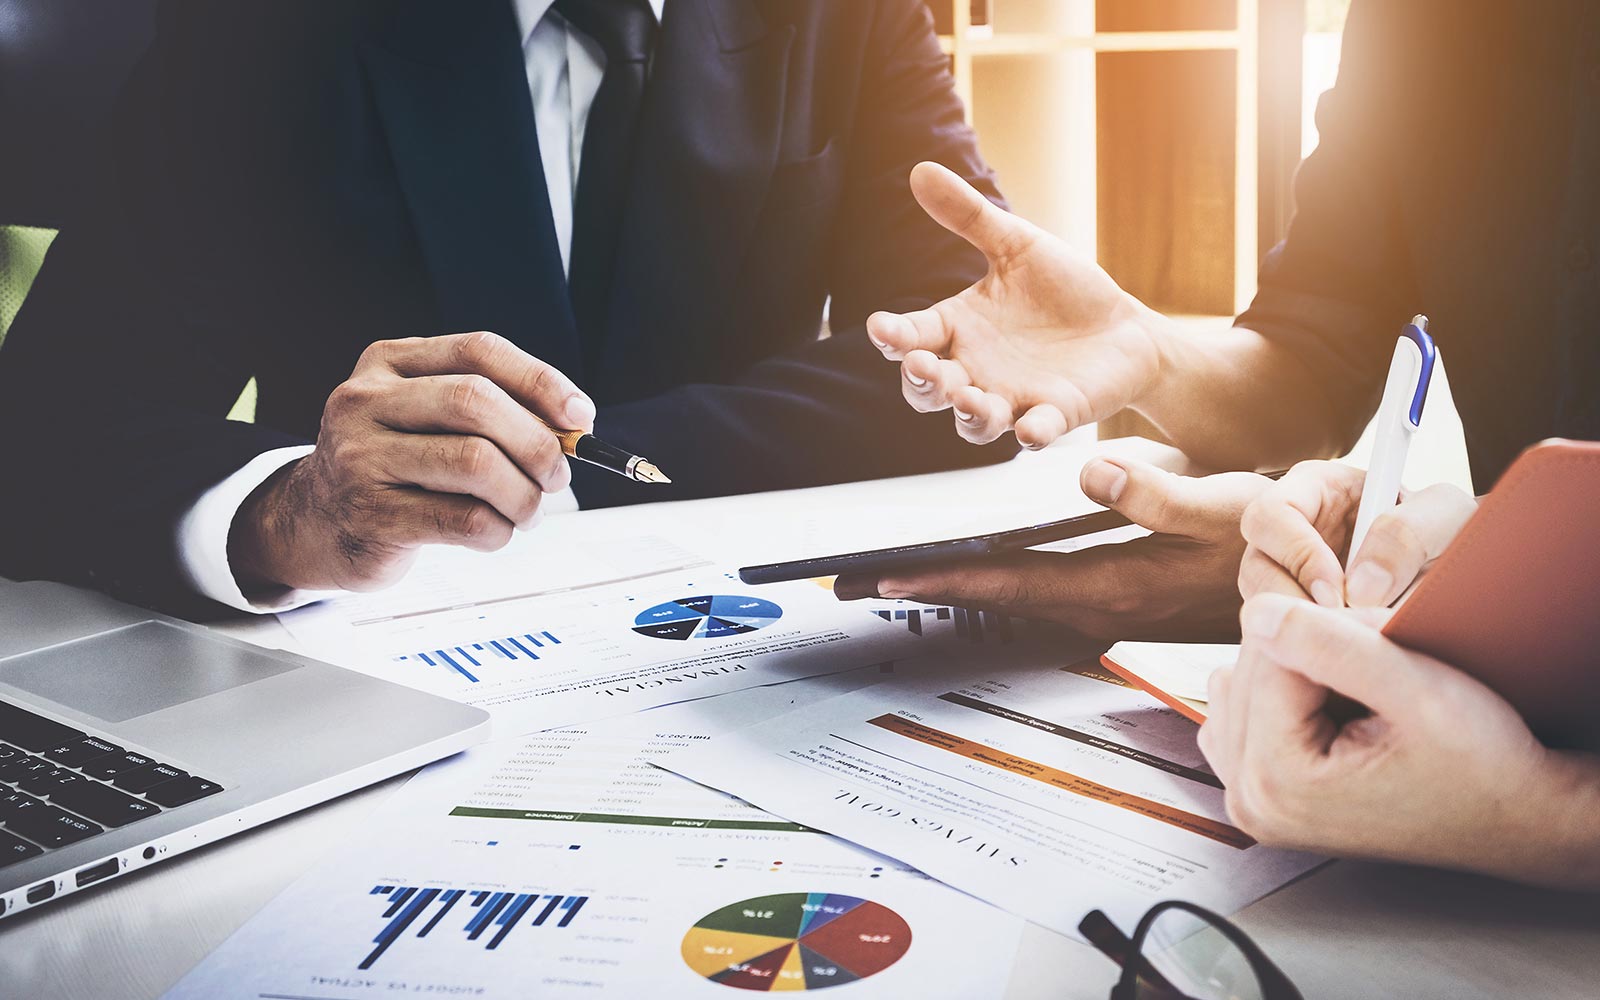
(1514, 601)
(1174, 672)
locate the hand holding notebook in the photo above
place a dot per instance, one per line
(1510, 601)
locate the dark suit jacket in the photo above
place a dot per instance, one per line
(1458, 175)
(288, 182)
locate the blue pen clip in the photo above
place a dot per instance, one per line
(1417, 332)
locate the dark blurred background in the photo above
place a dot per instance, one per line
(61, 65)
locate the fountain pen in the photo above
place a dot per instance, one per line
(585, 447)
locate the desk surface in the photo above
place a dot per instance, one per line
(1349, 929)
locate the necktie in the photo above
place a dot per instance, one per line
(625, 30)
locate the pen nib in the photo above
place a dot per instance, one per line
(646, 472)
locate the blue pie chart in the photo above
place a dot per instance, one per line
(711, 616)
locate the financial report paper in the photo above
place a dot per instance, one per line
(1046, 789)
(565, 865)
(579, 625)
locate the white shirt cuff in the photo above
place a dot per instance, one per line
(203, 537)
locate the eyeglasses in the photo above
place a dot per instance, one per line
(1180, 951)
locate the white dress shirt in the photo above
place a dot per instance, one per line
(564, 70)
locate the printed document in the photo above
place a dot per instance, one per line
(582, 626)
(1047, 790)
(565, 865)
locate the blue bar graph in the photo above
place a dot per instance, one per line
(497, 910)
(469, 658)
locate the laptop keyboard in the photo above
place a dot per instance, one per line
(59, 785)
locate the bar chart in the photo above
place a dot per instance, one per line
(473, 656)
(966, 624)
(491, 915)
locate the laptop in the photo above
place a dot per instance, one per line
(127, 738)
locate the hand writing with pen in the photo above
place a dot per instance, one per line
(1430, 766)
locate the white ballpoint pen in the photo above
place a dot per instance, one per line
(1399, 416)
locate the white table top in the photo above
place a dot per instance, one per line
(1350, 929)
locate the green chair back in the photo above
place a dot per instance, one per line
(22, 250)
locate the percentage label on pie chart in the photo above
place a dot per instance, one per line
(710, 616)
(796, 941)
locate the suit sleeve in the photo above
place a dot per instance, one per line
(114, 389)
(832, 411)
(1336, 291)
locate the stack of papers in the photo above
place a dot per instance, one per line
(565, 865)
(698, 786)
(1047, 789)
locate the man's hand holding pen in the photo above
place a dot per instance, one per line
(431, 440)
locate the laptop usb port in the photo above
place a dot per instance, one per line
(95, 873)
(41, 892)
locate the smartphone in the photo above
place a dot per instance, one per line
(927, 553)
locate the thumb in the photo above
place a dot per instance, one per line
(1340, 650)
(959, 207)
(1164, 501)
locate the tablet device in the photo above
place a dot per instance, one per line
(1515, 600)
(903, 557)
(927, 553)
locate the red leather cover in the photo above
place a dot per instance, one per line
(1515, 599)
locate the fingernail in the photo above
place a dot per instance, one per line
(580, 410)
(963, 415)
(1326, 594)
(1262, 616)
(916, 380)
(1369, 585)
(1103, 481)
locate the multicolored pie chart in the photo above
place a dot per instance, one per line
(796, 941)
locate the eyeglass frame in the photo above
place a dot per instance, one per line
(1129, 955)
